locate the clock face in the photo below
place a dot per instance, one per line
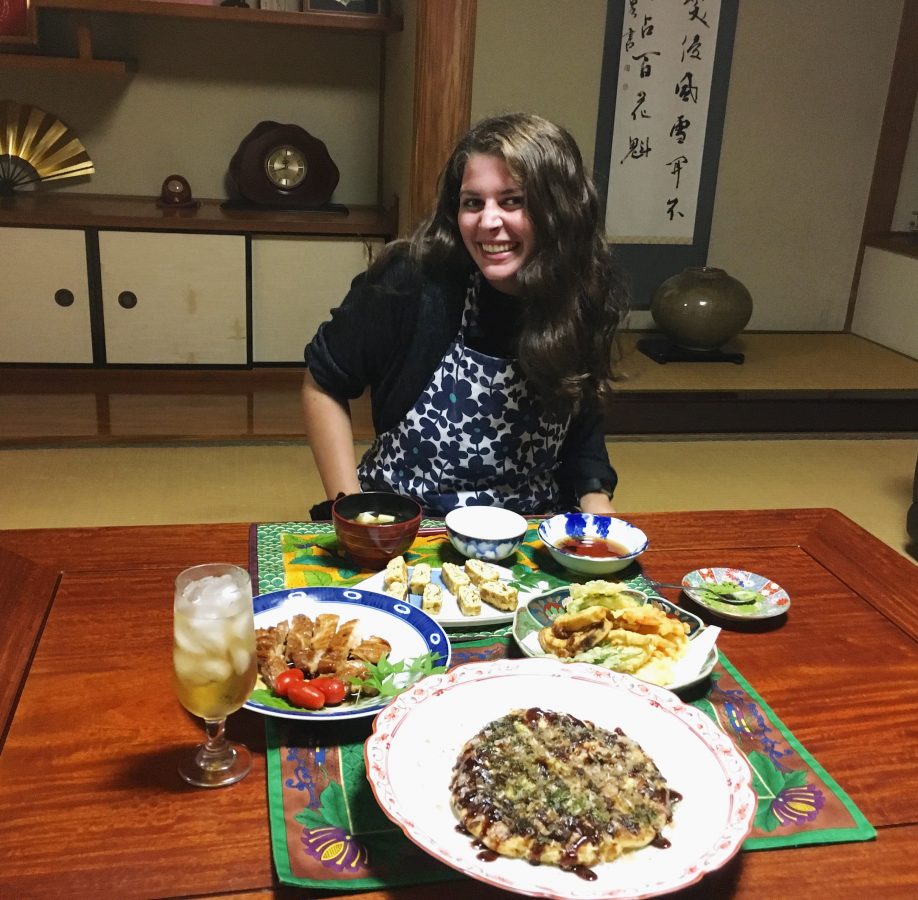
(286, 167)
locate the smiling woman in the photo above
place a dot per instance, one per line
(485, 339)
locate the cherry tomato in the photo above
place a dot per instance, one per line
(333, 688)
(283, 681)
(302, 693)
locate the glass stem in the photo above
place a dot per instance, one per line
(216, 739)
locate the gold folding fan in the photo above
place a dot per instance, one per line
(36, 146)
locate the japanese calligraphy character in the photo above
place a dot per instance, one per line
(645, 61)
(695, 13)
(647, 27)
(679, 129)
(693, 51)
(685, 90)
(636, 149)
(675, 167)
(632, 8)
(671, 210)
(642, 97)
(629, 40)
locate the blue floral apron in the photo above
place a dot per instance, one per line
(474, 437)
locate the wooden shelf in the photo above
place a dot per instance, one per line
(60, 210)
(351, 23)
(320, 21)
(37, 63)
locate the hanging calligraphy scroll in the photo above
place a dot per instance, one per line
(664, 87)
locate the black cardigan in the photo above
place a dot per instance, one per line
(391, 338)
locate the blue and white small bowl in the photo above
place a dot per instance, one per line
(556, 531)
(489, 533)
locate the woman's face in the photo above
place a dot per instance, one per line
(493, 221)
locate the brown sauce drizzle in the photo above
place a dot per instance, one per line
(584, 873)
(661, 843)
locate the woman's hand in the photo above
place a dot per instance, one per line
(598, 503)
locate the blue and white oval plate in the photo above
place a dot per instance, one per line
(410, 631)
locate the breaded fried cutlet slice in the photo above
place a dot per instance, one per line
(469, 599)
(432, 599)
(420, 578)
(479, 572)
(500, 595)
(396, 570)
(453, 577)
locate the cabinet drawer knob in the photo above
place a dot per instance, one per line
(127, 299)
(63, 297)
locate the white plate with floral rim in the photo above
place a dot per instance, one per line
(432, 720)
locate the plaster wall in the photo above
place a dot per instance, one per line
(199, 88)
(807, 91)
(887, 301)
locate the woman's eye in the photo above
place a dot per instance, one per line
(471, 203)
(516, 202)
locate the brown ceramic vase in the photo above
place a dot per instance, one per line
(701, 308)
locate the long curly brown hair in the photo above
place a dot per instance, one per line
(575, 295)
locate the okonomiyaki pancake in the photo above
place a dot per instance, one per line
(550, 788)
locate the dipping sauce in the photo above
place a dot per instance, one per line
(595, 547)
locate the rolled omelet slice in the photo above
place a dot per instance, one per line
(500, 595)
(397, 589)
(432, 599)
(396, 570)
(454, 577)
(469, 599)
(480, 572)
(420, 578)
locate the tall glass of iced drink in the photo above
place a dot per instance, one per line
(213, 659)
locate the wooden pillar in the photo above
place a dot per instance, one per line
(444, 59)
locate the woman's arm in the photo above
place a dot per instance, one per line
(331, 439)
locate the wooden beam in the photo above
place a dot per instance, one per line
(445, 51)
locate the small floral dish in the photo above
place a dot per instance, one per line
(590, 544)
(764, 599)
(489, 533)
(541, 611)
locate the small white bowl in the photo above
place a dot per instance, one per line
(558, 529)
(485, 532)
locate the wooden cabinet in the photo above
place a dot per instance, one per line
(295, 283)
(175, 299)
(44, 297)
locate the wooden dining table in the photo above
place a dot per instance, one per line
(91, 732)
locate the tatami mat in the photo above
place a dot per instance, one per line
(870, 480)
(774, 361)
